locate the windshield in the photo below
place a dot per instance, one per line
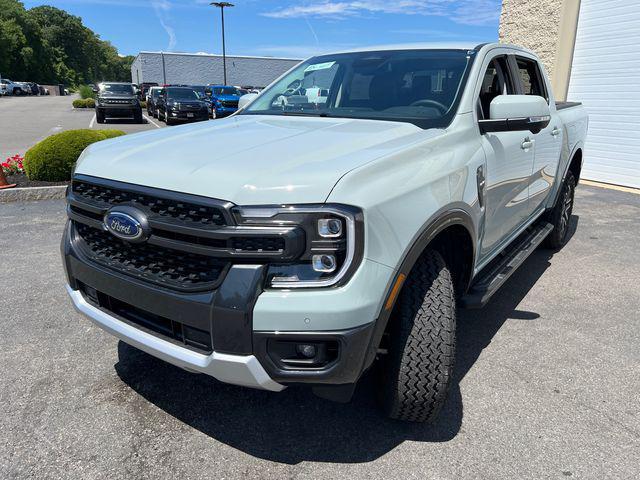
(225, 91)
(201, 91)
(154, 92)
(182, 94)
(116, 88)
(417, 86)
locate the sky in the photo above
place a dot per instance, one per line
(293, 29)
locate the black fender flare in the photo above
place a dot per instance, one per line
(455, 214)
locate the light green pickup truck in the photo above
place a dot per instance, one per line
(335, 223)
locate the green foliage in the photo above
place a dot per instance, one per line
(143, 104)
(84, 103)
(86, 91)
(54, 157)
(49, 46)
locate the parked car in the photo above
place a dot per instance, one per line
(145, 87)
(117, 100)
(224, 100)
(306, 244)
(152, 99)
(14, 88)
(35, 88)
(204, 92)
(3, 88)
(181, 104)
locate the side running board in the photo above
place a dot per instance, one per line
(491, 278)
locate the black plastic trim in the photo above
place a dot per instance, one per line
(233, 309)
(346, 369)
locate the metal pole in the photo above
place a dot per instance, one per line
(164, 70)
(224, 52)
(222, 5)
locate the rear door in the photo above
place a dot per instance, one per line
(509, 162)
(548, 142)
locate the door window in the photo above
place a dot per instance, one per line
(531, 78)
(496, 81)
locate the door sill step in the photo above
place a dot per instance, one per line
(493, 276)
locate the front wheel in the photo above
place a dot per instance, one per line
(418, 367)
(99, 116)
(560, 216)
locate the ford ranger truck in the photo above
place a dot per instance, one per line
(304, 243)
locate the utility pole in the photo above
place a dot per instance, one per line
(221, 6)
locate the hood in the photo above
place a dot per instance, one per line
(230, 98)
(248, 159)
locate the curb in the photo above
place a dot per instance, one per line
(32, 193)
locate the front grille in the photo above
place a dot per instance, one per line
(118, 102)
(189, 213)
(261, 244)
(162, 266)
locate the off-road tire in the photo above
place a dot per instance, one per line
(560, 215)
(99, 116)
(137, 116)
(417, 370)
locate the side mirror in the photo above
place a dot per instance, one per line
(246, 99)
(509, 113)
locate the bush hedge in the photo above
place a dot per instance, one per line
(84, 103)
(53, 159)
(143, 104)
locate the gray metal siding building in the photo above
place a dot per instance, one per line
(203, 69)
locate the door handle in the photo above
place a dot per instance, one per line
(555, 132)
(526, 144)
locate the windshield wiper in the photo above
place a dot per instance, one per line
(306, 114)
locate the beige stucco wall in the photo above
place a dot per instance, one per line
(533, 24)
(548, 27)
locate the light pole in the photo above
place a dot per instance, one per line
(222, 5)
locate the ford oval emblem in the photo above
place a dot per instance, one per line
(126, 223)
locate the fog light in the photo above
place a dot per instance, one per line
(323, 263)
(329, 227)
(307, 351)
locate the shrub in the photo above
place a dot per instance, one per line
(86, 92)
(110, 133)
(90, 103)
(143, 104)
(53, 159)
(79, 103)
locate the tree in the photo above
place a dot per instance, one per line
(48, 45)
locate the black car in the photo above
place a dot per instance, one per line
(35, 88)
(153, 94)
(117, 100)
(181, 104)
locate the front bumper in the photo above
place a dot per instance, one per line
(188, 116)
(244, 370)
(241, 319)
(119, 111)
(224, 111)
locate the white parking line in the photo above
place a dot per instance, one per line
(93, 120)
(151, 121)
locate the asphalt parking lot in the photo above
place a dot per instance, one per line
(24, 121)
(547, 381)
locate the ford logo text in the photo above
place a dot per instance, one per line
(123, 224)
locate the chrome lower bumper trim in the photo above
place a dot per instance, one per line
(244, 370)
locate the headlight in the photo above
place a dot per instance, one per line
(333, 242)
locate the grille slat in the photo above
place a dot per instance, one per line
(162, 266)
(190, 213)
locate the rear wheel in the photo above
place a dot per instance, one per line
(417, 370)
(560, 216)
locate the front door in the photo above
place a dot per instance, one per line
(509, 161)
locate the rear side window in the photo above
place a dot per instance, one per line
(531, 78)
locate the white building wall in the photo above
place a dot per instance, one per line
(193, 69)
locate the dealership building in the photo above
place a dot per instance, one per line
(204, 69)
